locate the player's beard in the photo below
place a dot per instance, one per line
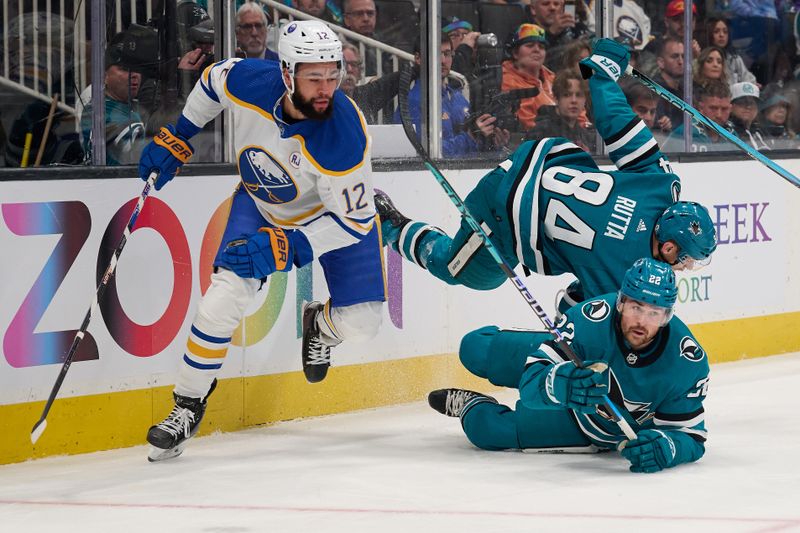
(306, 107)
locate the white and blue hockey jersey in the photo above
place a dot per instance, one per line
(311, 175)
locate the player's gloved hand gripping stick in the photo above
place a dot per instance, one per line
(41, 424)
(405, 85)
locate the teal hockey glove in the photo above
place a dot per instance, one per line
(580, 389)
(609, 58)
(652, 451)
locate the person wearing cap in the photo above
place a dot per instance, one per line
(125, 58)
(775, 112)
(461, 134)
(463, 40)
(526, 68)
(675, 27)
(744, 114)
(630, 347)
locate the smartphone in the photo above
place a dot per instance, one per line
(569, 8)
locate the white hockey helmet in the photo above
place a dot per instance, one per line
(308, 41)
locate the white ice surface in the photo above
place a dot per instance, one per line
(409, 469)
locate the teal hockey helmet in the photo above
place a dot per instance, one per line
(689, 225)
(650, 282)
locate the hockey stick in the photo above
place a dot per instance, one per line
(699, 117)
(41, 425)
(408, 127)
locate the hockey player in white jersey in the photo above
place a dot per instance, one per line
(306, 191)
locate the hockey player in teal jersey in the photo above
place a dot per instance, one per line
(552, 209)
(645, 359)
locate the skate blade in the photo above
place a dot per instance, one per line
(160, 454)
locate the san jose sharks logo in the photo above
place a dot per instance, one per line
(596, 311)
(694, 227)
(690, 350)
(640, 411)
(264, 177)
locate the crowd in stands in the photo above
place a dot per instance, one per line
(745, 73)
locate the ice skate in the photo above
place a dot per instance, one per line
(456, 402)
(168, 438)
(316, 354)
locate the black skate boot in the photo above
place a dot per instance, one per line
(168, 438)
(392, 220)
(316, 354)
(456, 402)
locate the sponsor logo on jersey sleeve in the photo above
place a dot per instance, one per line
(265, 178)
(690, 350)
(596, 311)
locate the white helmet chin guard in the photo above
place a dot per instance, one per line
(308, 41)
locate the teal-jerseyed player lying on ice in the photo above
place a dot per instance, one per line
(552, 209)
(635, 351)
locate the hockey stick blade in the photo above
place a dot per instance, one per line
(699, 117)
(41, 424)
(408, 128)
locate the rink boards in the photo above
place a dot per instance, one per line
(56, 238)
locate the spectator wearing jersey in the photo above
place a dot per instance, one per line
(563, 119)
(463, 40)
(714, 101)
(526, 69)
(461, 135)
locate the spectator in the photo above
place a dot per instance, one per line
(561, 27)
(562, 120)
(361, 16)
(526, 69)
(630, 23)
(709, 65)
(714, 101)
(644, 103)
(251, 32)
(718, 34)
(124, 61)
(326, 10)
(463, 40)
(744, 112)
(372, 97)
(670, 76)
(775, 112)
(459, 137)
(675, 27)
(573, 53)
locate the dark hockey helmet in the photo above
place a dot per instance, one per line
(689, 225)
(651, 282)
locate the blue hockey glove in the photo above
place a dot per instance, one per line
(651, 451)
(166, 153)
(259, 255)
(580, 389)
(609, 58)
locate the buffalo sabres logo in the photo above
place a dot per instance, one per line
(596, 311)
(628, 28)
(690, 350)
(694, 227)
(265, 178)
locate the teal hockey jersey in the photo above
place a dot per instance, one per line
(661, 387)
(555, 211)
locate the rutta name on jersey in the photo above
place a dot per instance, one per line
(621, 216)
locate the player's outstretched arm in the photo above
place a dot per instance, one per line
(630, 143)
